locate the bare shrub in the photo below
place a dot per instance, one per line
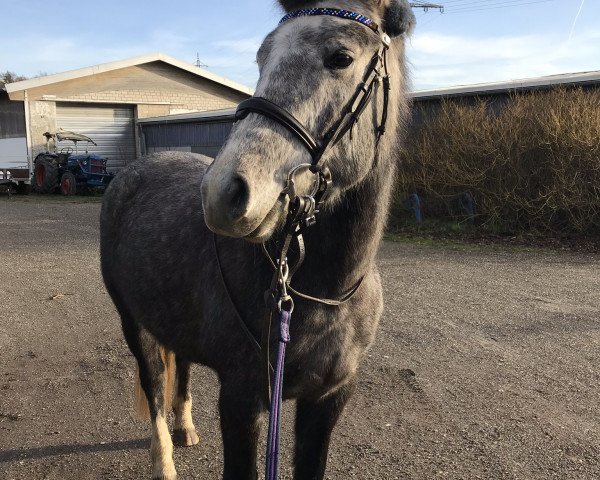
(532, 165)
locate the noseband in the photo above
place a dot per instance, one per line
(376, 72)
(302, 210)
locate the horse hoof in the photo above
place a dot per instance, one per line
(185, 438)
(165, 477)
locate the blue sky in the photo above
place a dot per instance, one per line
(472, 41)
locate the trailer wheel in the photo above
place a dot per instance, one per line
(68, 184)
(45, 175)
(23, 188)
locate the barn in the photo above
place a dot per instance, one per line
(205, 132)
(497, 94)
(105, 101)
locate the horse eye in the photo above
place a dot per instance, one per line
(339, 60)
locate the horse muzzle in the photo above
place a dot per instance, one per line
(235, 206)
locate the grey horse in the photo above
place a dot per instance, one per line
(179, 301)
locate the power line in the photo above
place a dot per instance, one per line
(460, 6)
(450, 5)
(460, 3)
(493, 6)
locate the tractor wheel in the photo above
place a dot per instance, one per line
(68, 184)
(45, 175)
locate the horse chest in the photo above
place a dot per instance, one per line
(319, 362)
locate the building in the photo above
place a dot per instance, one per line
(105, 101)
(205, 132)
(582, 79)
(497, 94)
(175, 106)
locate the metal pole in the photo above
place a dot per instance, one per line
(28, 144)
(426, 6)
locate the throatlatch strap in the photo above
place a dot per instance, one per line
(324, 301)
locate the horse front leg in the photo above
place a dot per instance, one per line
(240, 409)
(184, 431)
(315, 420)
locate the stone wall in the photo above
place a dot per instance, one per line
(42, 118)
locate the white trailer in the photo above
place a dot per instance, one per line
(15, 165)
(15, 174)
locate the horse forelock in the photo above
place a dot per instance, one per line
(290, 5)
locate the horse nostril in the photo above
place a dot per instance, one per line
(238, 196)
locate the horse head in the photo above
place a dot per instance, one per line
(316, 67)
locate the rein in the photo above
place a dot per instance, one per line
(302, 213)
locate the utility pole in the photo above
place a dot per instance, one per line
(426, 6)
(198, 63)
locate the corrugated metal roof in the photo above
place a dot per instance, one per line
(208, 116)
(581, 78)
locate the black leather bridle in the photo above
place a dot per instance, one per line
(376, 72)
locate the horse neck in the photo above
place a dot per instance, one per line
(342, 245)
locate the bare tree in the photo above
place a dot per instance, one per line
(9, 77)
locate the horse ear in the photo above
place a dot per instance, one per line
(398, 18)
(289, 5)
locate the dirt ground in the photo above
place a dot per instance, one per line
(486, 366)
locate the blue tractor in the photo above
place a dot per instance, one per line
(68, 170)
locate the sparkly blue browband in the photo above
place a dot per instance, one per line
(332, 12)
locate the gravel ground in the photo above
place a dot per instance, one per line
(486, 365)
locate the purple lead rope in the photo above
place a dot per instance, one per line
(272, 461)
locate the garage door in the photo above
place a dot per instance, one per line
(111, 127)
